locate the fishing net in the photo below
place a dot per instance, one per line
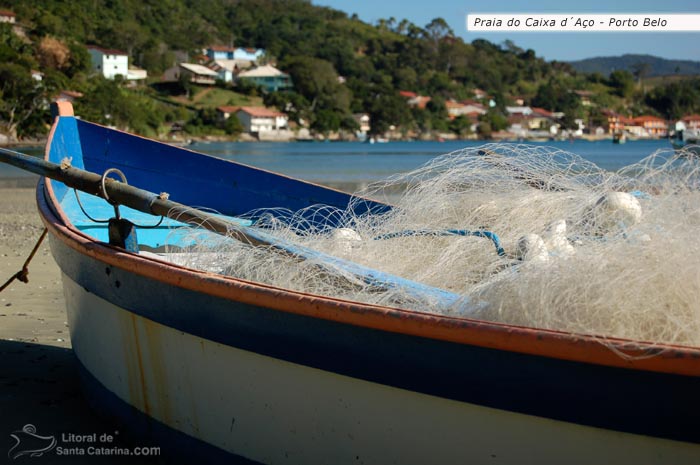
(520, 234)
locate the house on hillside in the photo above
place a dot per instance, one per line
(541, 118)
(196, 74)
(519, 111)
(268, 77)
(691, 121)
(585, 97)
(111, 63)
(530, 122)
(467, 107)
(260, 119)
(222, 52)
(615, 123)
(7, 16)
(651, 126)
(480, 94)
(228, 69)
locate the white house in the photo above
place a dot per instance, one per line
(261, 119)
(7, 16)
(109, 62)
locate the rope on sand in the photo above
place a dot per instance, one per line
(23, 274)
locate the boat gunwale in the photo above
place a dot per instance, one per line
(590, 349)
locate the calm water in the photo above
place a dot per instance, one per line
(354, 163)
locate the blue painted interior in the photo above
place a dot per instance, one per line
(168, 232)
(200, 180)
(190, 178)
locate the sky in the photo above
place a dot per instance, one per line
(561, 46)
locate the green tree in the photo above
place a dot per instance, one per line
(317, 81)
(622, 82)
(388, 109)
(23, 107)
(233, 126)
(461, 126)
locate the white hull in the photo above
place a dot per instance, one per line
(275, 412)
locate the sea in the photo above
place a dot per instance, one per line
(352, 165)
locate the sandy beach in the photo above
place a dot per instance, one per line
(39, 383)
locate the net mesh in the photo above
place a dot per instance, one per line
(584, 250)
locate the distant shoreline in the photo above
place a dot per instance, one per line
(40, 143)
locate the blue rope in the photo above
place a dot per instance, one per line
(447, 232)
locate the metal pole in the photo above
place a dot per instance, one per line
(154, 204)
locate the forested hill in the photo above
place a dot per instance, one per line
(338, 64)
(646, 64)
(151, 31)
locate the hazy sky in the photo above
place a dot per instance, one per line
(561, 46)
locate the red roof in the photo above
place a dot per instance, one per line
(691, 118)
(453, 104)
(228, 109)
(421, 101)
(473, 103)
(7, 13)
(542, 112)
(261, 112)
(407, 94)
(647, 118)
(221, 48)
(107, 51)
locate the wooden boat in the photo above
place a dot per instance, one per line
(216, 368)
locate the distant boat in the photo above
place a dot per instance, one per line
(619, 138)
(377, 140)
(688, 140)
(218, 368)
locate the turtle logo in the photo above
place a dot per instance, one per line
(29, 443)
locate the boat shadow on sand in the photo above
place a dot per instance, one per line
(46, 415)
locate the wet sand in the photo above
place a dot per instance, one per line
(39, 383)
